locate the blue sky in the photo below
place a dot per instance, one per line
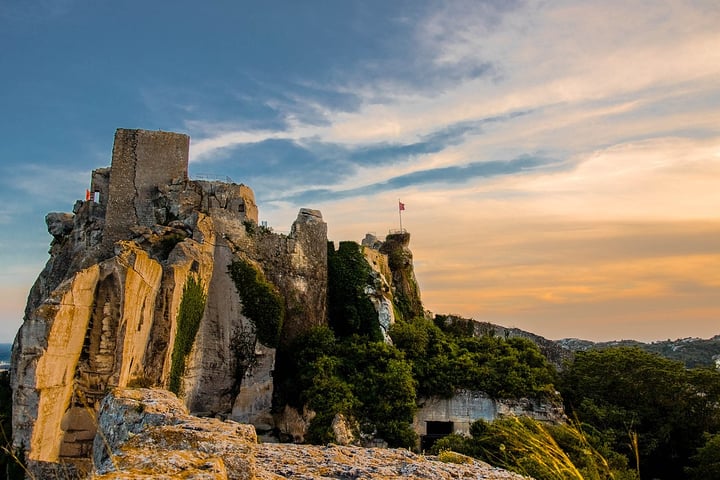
(559, 161)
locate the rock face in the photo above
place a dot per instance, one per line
(405, 287)
(381, 291)
(148, 434)
(103, 313)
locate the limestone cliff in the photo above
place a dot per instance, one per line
(104, 311)
(405, 287)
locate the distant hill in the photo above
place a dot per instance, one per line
(5, 355)
(693, 352)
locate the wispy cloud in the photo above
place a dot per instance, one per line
(43, 183)
(445, 176)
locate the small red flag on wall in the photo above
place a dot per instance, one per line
(401, 206)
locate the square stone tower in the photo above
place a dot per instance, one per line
(142, 161)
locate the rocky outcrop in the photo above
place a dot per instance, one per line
(103, 313)
(380, 292)
(148, 434)
(405, 288)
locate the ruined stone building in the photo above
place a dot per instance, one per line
(103, 312)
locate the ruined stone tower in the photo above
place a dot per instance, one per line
(142, 160)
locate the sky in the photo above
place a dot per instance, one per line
(559, 160)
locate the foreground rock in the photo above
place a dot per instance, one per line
(147, 433)
(335, 462)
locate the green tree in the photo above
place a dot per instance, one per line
(706, 462)
(640, 399)
(362, 379)
(444, 363)
(262, 304)
(350, 311)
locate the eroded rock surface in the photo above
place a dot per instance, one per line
(103, 313)
(150, 435)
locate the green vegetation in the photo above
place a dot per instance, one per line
(192, 307)
(261, 302)
(443, 363)
(348, 369)
(544, 452)
(646, 406)
(693, 353)
(243, 348)
(637, 415)
(252, 228)
(350, 311)
(449, 456)
(362, 379)
(706, 462)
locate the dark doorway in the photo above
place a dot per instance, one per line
(435, 431)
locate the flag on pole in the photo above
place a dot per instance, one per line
(401, 206)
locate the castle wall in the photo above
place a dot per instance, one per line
(142, 160)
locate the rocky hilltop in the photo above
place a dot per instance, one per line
(158, 280)
(168, 324)
(114, 305)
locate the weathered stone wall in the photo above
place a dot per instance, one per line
(210, 382)
(467, 406)
(142, 160)
(100, 184)
(236, 200)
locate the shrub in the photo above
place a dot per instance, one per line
(444, 363)
(629, 394)
(544, 452)
(190, 313)
(350, 311)
(261, 303)
(369, 381)
(448, 456)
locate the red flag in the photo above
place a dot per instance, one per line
(401, 206)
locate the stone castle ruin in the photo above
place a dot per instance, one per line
(103, 312)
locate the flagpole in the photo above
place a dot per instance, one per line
(400, 214)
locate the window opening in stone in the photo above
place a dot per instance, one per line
(434, 432)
